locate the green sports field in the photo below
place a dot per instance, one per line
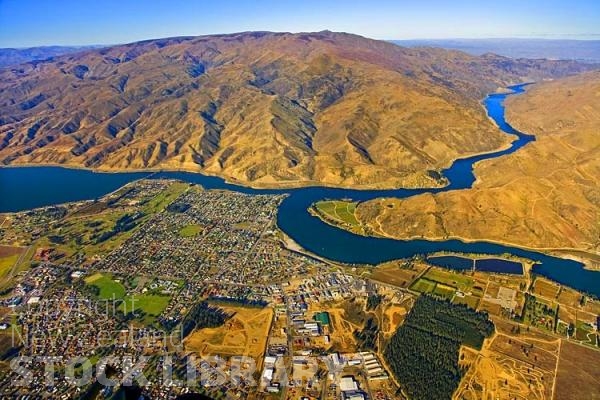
(108, 288)
(190, 230)
(149, 304)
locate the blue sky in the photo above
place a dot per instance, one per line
(72, 22)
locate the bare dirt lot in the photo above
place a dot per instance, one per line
(342, 337)
(509, 368)
(243, 334)
(393, 316)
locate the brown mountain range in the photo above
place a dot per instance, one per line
(260, 108)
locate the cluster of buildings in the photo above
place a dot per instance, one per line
(65, 323)
(28, 226)
(32, 285)
(350, 390)
(297, 353)
(233, 254)
(228, 224)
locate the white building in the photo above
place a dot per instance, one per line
(348, 384)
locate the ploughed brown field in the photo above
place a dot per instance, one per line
(8, 251)
(577, 376)
(546, 195)
(261, 108)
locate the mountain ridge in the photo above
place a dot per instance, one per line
(10, 56)
(260, 108)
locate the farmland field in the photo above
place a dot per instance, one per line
(457, 280)
(569, 297)
(7, 251)
(545, 288)
(578, 376)
(393, 274)
(469, 300)
(9, 257)
(7, 262)
(423, 286)
(444, 291)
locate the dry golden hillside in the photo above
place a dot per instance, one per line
(547, 194)
(260, 108)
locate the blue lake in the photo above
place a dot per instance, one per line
(452, 262)
(23, 188)
(498, 265)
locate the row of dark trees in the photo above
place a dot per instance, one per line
(238, 301)
(202, 315)
(367, 337)
(126, 223)
(423, 353)
(373, 300)
(178, 207)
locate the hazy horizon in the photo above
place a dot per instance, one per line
(83, 23)
(594, 38)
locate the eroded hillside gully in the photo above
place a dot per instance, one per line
(29, 187)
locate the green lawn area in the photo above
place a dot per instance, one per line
(423, 286)
(13, 260)
(98, 234)
(327, 207)
(342, 211)
(164, 198)
(460, 281)
(471, 301)
(190, 230)
(346, 212)
(150, 304)
(90, 234)
(108, 287)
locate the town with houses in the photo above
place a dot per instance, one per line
(184, 278)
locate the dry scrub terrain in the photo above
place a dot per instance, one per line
(546, 195)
